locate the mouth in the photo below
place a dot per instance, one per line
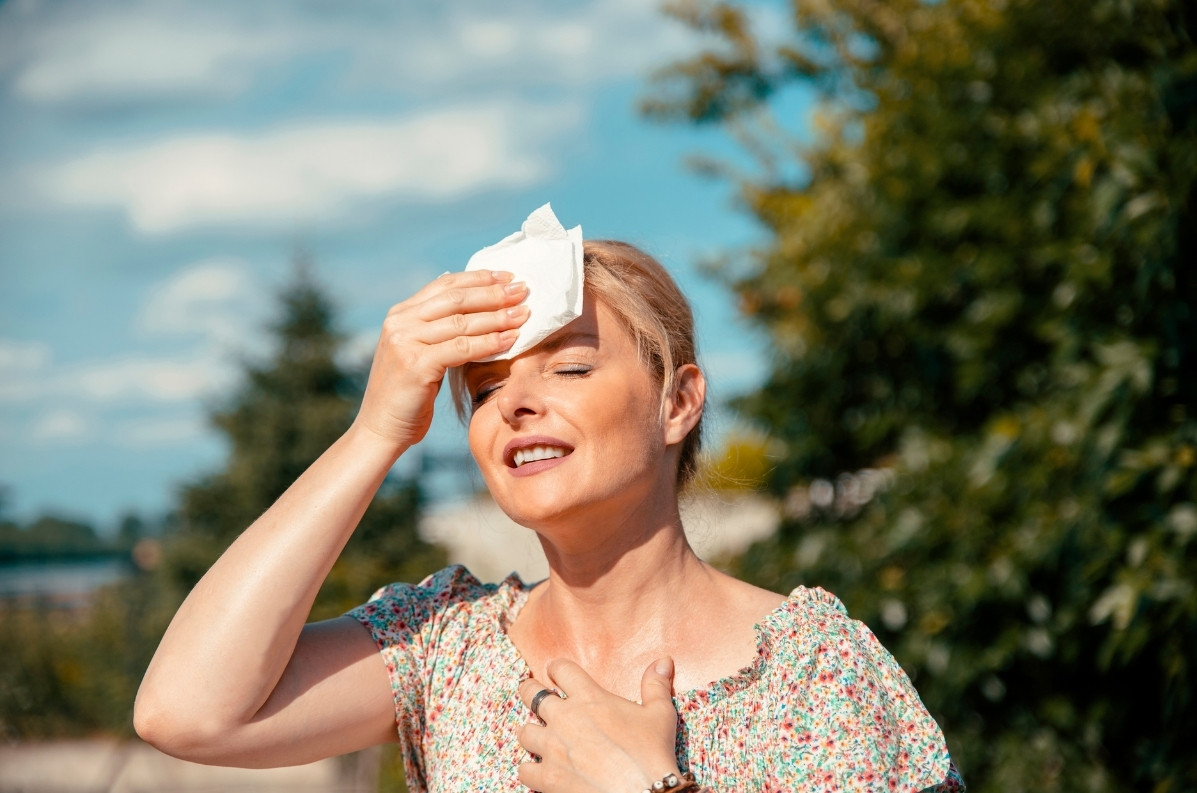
(525, 451)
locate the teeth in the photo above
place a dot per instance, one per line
(534, 453)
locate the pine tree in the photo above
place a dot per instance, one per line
(288, 411)
(979, 281)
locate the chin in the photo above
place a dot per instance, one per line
(559, 497)
(532, 512)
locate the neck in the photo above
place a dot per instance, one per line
(617, 586)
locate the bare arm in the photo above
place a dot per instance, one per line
(333, 698)
(237, 678)
(231, 662)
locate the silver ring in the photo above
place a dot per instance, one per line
(539, 698)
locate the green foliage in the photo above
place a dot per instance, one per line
(49, 537)
(70, 673)
(392, 777)
(979, 277)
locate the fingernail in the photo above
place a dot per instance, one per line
(664, 666)
(501, 275)
(509, 336)
(516, 288)
(518, 311)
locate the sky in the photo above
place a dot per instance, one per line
(161, 162)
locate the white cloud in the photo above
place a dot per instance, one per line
(314, 172)
(128, 378)
(214, 298)
(22, 356)
(101, 50)
(490, 38)
(539, 44)
(146, 378)
(136, 57)
(60, 425)
(23, 364)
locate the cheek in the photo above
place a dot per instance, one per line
(634, 424)
(476, 439)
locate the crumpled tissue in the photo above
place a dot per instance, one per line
(548, 258)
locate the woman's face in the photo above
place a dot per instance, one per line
(571, 425)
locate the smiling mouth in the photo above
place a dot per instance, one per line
(533, 454)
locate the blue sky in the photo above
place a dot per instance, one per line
(160, 162)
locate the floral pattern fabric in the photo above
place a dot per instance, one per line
(823, 707)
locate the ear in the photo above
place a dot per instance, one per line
(685, 405)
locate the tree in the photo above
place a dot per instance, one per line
(979, 282)
(50, 537)
(289, 410)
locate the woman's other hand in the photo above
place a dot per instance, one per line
(458, 318)
(594, 741)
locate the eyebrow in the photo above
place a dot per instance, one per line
(554, 343)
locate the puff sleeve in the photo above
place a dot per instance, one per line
(858, 712)
(412, 624)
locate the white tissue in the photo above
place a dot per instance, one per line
(549, 259)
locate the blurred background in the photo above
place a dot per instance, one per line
(942, 256)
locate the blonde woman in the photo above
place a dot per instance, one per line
(634, 666)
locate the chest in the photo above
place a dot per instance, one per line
(468, 740)
(620, 668)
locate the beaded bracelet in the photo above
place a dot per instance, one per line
(672, 783)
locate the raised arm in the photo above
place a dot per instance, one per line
(238, 679)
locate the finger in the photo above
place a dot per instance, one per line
(468, 300)
(532, 737)
(656, 686)
(571, 679)
(464, 349)
(478, 324)
(533, 776)
(465, 278)
(530, 689)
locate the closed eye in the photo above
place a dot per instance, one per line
(483, 393)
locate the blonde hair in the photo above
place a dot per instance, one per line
(648, 304)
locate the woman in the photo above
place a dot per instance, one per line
(638, 660)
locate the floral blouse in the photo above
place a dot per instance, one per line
(823, 707)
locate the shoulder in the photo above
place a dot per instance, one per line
(742, 603)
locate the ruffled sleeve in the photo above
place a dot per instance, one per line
(410, 624)
(858, 718)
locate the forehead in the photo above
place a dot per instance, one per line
(597, 328)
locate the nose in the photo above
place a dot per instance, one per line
(520, 398)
